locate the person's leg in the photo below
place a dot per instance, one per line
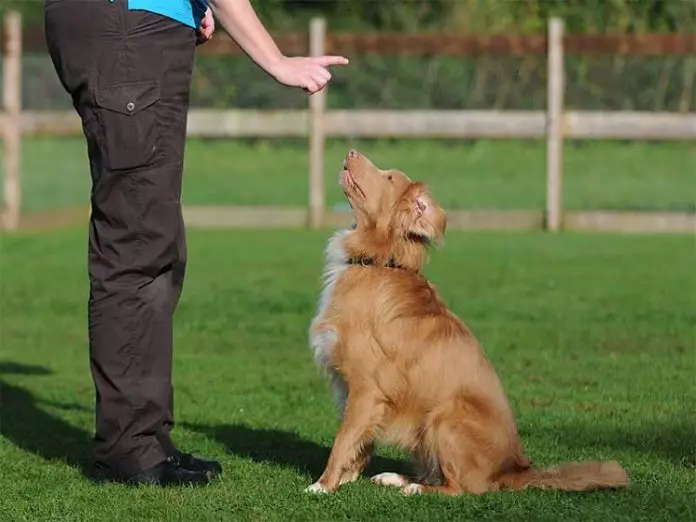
(128, 73)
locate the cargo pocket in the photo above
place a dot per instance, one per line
(129, 123)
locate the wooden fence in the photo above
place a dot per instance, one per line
(317, 124)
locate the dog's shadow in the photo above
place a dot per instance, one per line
(284, 449)
(287, 449)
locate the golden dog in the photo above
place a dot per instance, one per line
(404, 369)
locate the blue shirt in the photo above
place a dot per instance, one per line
(188, 12)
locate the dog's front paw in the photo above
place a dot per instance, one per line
(412, 489)
(349, 478)
(317, 487)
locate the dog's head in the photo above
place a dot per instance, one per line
(389, 200)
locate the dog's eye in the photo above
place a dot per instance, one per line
(389, 177)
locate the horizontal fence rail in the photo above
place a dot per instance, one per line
(253, 217)
(463, 124)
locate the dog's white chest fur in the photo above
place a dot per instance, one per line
(322, 341)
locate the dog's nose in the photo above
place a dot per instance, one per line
(352, 153)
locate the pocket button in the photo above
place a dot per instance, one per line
(130, 107)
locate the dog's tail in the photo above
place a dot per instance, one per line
(573, 476)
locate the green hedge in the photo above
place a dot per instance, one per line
(491, 82)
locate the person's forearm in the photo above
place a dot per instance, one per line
(239, 20)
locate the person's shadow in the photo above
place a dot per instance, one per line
(284, 449)
(24, 422)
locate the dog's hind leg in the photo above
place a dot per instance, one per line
(450, 463)
(363, 413)
(455, 482)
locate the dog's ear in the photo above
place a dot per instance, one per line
(425, 220)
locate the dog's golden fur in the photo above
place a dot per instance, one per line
(404, 369)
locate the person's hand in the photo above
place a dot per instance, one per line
(205, 32)
(309, 73)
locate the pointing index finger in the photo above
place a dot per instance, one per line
(331, 60)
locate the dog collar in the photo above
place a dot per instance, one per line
(368, 261)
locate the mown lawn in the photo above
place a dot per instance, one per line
(482, 175)
(592, 335)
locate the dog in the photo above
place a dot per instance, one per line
(403, 368)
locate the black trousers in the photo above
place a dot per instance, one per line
(128, 73)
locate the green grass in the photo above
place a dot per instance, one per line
(485, 174)
(593, 337)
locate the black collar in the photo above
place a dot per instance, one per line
(368, 261)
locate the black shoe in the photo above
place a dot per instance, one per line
(169, 473)
(188, 461)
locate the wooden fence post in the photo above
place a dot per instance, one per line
(317, 137)
(12, 106)
(554, 132)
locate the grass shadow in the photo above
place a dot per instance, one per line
(9, 367)
(29, 427)
(283, 448)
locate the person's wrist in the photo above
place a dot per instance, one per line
(274, 64)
